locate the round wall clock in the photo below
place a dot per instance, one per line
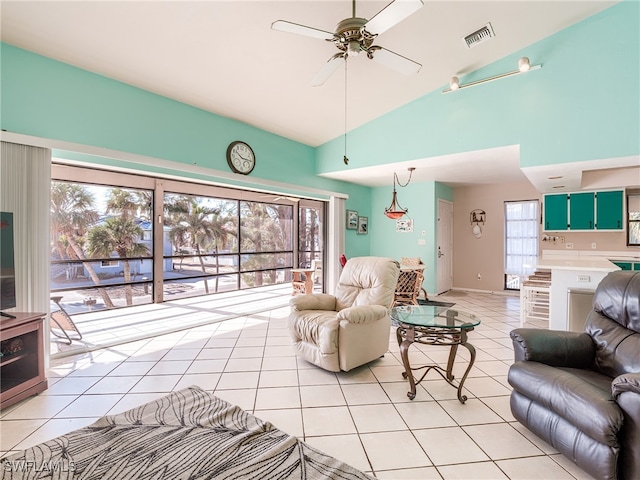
(240, 157)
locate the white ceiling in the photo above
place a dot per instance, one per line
(223, 57)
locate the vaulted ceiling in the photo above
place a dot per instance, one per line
(223, 56)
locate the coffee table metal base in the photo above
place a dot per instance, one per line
(409, 334)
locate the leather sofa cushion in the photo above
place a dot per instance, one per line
(617, 298)
(616, 347)
(367, 281)
(582, 397)
(318, 327)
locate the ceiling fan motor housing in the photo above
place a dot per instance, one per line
(352, 30)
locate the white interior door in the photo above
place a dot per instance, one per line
(444, 246)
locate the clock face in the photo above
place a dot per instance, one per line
(241, 158)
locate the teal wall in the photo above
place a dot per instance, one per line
(421, 200)
(584, 104)
(46, 98)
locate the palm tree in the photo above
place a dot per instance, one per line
(199, 227)
(120, 235)
(265, 227)
(72, 213)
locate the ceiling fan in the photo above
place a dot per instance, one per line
(354, 35)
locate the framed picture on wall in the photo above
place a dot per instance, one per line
(363, 225)
(352, 220)
(404, 226)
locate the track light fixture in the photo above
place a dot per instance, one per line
(524, 66)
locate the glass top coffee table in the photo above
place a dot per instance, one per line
(433, 325)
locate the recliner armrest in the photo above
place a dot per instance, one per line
(317, 301)
(363, 313)
(553, 347)
(627, 382)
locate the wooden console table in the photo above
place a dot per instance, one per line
(22, 362)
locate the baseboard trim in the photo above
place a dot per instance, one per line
(506, 293)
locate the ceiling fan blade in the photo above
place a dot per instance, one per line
(392, 14)
(327, 70)
(394, 61)
(284, 26)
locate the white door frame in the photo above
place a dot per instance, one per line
(444, 246)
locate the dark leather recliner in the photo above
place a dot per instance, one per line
(580, 392)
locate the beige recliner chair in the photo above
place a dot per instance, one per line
(351, 328)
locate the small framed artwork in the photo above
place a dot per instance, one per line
(404, 226)
(352, 220)
(363, 225)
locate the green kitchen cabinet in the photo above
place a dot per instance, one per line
(582, 211)
(624, 265)
(556, 212)
(636, 266)
(609, 210)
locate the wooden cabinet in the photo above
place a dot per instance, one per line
(584, 211)
(22, 362)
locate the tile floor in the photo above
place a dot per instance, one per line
(362, 417)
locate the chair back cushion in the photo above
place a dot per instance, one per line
(367, 281)
(614, 323)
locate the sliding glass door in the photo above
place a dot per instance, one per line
(113, 245)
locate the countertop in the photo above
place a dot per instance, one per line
(583, 264)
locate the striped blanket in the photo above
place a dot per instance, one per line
(189, 434)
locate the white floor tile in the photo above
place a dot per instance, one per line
(472, 471)
(347, 448)
(394, 450)
(533, 468)
(275, 398)
(377, 418)
(449, 445)
(365, 394)
(424, 415)
(322, 396)
(289, 420)
(327, 421)
(501, 441)
(156, 383)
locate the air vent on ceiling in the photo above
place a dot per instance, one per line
(481, 35)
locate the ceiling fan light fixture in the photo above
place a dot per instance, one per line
(353, 49)
(356, 34)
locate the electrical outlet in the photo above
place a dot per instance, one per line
(570, 245)
(593, 245)
(479, 277)
(584, 278)
(422, 241)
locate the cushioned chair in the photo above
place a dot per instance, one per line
(580, 392)
(351, 328)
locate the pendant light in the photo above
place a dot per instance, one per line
(395, 211)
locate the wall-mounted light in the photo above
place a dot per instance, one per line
(524, 66)
(477, 217)
(395, 211)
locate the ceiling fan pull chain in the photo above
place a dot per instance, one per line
(345, 159)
